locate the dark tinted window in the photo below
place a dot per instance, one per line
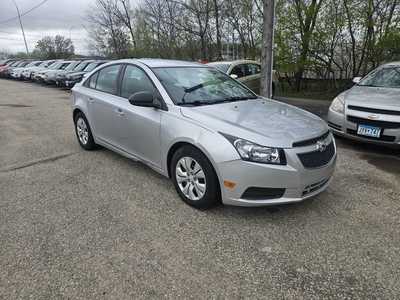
(135, 80)
(239, 71)
(107, 79)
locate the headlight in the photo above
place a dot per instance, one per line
(338, 104)
(256, 153)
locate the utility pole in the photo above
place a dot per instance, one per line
(22, 27)
(267, 55)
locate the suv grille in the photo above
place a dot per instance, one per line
(316, 159)
(382, 124)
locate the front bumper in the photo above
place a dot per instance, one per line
(339, 125)
(296, 182)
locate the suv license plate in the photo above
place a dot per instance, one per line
(369, 131)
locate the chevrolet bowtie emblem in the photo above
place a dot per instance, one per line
(321, 146)
(373, 117)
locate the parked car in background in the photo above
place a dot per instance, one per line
(42, 75)
(28, 73)
(370, 111)
(7, 61)
(211, 135)
(60, 78)
(6, 66)
(74, 77)
(6, 72)
(246, 71)
(16, 73)
(51, 76)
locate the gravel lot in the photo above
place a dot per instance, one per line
(94, 225)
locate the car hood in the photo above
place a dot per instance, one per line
(262, 121)
(374, 97)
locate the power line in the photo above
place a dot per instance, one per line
(24, 13)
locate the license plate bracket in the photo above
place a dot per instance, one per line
(371, 131)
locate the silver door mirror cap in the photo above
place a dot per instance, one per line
(234, 76)
(357, 80)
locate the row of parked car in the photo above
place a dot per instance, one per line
(63, 73)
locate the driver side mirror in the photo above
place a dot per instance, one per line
(145, 99)
(357, 80)
(234, 76)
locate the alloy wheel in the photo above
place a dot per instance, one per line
(82, 130)
(190, 178)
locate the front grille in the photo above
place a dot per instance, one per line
(316, 159)
(382, 124)
(312, 141)
(375, 110)
(385, 138)
(257, 193)
(314, 187)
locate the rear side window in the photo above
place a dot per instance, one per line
(107, 79)
(254, 69)
(135, 80)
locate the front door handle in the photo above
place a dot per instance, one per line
(120, 112)
(91, 100)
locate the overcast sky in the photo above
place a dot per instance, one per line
(65, 17)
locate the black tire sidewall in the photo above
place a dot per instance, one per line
(90, 145)
(212, 195)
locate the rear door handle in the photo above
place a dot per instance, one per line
(91, 100)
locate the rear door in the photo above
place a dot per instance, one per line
(252, 77)
(104, 104)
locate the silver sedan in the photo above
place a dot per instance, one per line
(209, 133)
(370, 111)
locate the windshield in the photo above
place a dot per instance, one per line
(71, 66)
(388, 77)
(199, 85)
(91, 66)
(55, 66)
(81, 66)
(222, 67)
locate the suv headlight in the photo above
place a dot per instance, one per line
(253, 152)
(338, 104)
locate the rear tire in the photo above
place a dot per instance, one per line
(83, 132)
(194, 178)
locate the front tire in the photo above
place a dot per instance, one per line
(83, 132)
(194, 178)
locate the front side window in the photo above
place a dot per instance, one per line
(199, 86)
(107, 79)
(135, 80)
(388, 77)
(92, 80)
(239, 71)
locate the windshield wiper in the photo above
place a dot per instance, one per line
(196, 103)
(238, 98)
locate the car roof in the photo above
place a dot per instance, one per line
(394, 63)
(157, 63)
(234, 62)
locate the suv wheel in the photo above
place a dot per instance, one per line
(194, 178)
